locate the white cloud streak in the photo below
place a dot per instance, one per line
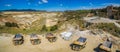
(114, 4)
(45, 1)
(8, 5)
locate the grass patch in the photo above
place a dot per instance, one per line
(109, 27)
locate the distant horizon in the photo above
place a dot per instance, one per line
(50, 11)
(57, 5)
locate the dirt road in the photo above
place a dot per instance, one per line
(60, 45)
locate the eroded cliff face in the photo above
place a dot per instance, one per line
(29, 19)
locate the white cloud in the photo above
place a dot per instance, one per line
(114, 4)
(45, 1)
(8, 5)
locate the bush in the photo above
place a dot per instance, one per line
(8, 24)
(111, 28)
(53, 28)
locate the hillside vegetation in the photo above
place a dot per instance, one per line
(67, 17)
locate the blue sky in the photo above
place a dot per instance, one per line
(56, 5)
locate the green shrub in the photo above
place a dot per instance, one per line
(53, 28)
(8, 24)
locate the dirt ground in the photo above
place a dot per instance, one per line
(60, 45)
